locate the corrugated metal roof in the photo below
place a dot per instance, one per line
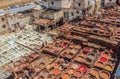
(15, 9)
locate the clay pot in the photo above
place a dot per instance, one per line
(104, 75)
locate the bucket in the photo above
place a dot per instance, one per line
(94, 72)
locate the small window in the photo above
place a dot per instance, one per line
(88, 2)
(2, 19)
(72, 13)
(77, 12)
(64, 14)
(4, 26)
(52, 3)
(79, 4)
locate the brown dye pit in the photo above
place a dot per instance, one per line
(78, 47)
(73, 77)
(55, 65)
(71, 46)
(70, 71)
(99, 64)
(80, 59)
(77, 74)
(41, 77)
(56, 71)
(37, 69)
(104, 75)
(94, 72)
(90, 77)
(66, 76)
(42, 64)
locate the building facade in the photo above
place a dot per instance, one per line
(108, 3)
(55, 4)
(80, 8)
(15, 17)
(13, 23)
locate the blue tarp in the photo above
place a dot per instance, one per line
(118, 72)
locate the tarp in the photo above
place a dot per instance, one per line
(118, 72)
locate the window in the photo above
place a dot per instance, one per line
(77, 12)
(52, 3)
(2, 19)
(88, 2)
(79, 4)
(64, 14)
(72, 13)
(4, 26)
